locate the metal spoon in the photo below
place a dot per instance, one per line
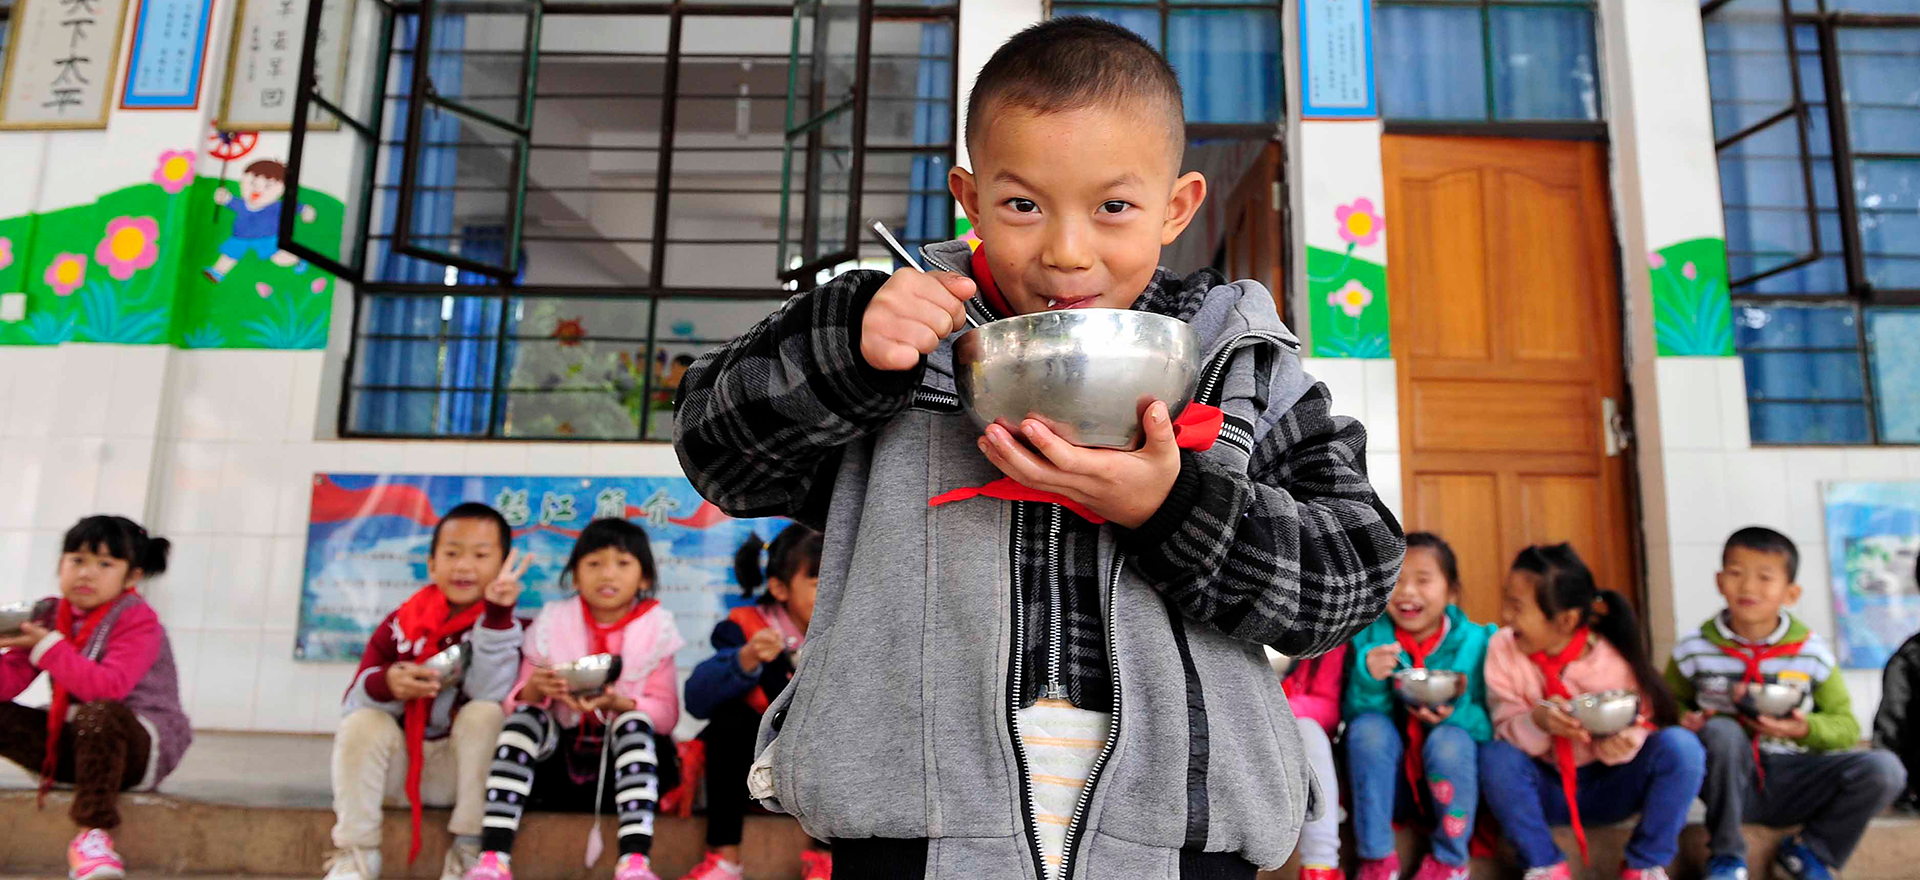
(900, 253)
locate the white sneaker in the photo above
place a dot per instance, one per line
(354, 864)
(461, 858)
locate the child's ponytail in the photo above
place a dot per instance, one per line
(795, 551)
(153, 557)
(746, 565)
(1565, 583)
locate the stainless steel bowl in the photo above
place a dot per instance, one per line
(1430, 688)
(451, 663)
(589, 675)
(1607, 712)
(1088, 374)
(14, 614)
(1774, 699)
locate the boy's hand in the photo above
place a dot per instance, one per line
(1554, 719)
(1125, 487)
(1382, 658)
(1431, 717)
(762, 648)
(505, 589)
(1613, 749)
(1793, 726)
(1696, 720)
(222, 196)
(308, 214)
(411, 681)
(29, 638)
(910, 315)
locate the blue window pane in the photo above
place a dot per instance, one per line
(1431, 63)
(1880, 67)
(1543, 63)
(1842, 424)
(1902, 7)
(1228, 61)
(1896, 372)
(1763, 192)
(1803, 375)
(1757, 328)
(1747, 56)
(1827, 275)
(1889, 204)
(1143, 21)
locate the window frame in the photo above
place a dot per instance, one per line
(1861, 296)
(655, 292)
(1491, 124)
(1164, 8)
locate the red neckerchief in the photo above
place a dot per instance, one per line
(983, 278)
(424, 621)
(598, 633)
(1753, 656)
(1550, 667)
(1197, 428)
(57, 711)
(1417, 652)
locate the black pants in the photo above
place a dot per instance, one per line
(103, 751)
(888, 859)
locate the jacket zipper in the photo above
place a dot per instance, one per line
(1015, 687)
(1217, 368)
(934, 398)
(1113, 729)
(1056, 624)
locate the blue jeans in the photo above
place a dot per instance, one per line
(1659, 783)
(1375, 746)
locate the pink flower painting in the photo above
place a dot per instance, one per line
(66, 273)
(263, 288)
(1360, 224)
(174, 171)
(6, 252)
(131, 244)
(1352, 298)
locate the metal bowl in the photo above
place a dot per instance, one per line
(1088, 374)
(1773, 699)
(14, 614)
(589, 675)
(451, 663)
(1430, 688)
(1607, 712)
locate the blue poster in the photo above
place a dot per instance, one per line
(1336, 59)
(169, 48)
(367, 541)
(1873, 537)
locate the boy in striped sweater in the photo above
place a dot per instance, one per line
(1797, 770)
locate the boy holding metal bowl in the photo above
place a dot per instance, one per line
(1766, 697)
(1062, 678)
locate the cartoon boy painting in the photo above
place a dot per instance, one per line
(256, 221)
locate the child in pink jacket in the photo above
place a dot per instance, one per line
(1313, 689)
(1566, 637)
(558, 747)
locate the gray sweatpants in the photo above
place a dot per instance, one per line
(1833, 795)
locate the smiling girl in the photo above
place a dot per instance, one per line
(115, 723)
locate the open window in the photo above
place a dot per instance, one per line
(825, 151)
(336, 127)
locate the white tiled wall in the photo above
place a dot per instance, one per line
(1717, 481)
(1368, 390)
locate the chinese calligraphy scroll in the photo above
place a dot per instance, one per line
(61, 59)
(263, 66)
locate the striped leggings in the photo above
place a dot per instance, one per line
(538, 763)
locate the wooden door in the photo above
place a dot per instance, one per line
(1254, 225)
(1506, 335)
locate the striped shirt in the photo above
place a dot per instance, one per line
(1706, 676)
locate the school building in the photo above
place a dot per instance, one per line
(1628, 273)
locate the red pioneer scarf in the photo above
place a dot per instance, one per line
(599, 633)
(1550, 667)
(424, 622)
(1417, 653)
(1753, 656)
(57, 711)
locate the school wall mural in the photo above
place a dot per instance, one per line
(1692, 315)
(1347, 293)
(177, 259)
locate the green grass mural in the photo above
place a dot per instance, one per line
(132, 268)
(1692, 315)
(1347, 305)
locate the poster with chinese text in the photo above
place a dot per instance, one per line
(61, 59)
(1873, 536)
(263, 64)
(169, 51)
(367, 540)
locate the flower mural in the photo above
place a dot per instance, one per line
(1692, 316)
(1360, 224)
(569, 332)
(6, 252)
(66, 273)
(263, 288)
(131, 244)
(174, 171)
(1353, 298)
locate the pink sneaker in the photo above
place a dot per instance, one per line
(714, 868)
(492, 866)
(91, 857)
(816, 865)
(1655, 873)
(1550, 872)
(1434, 869)
(1380, 869)
(1316, 872)
(633, 866)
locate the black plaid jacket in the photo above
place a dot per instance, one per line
(1297, 553)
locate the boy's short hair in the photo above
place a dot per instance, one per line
(473, 510)
(1761, 539)
(267, 168)
(1075, 62)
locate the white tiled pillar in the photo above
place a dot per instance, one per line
(1368, 390)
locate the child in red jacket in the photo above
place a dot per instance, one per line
(1313, 690)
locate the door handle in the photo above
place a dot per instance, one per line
(1615, 433)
